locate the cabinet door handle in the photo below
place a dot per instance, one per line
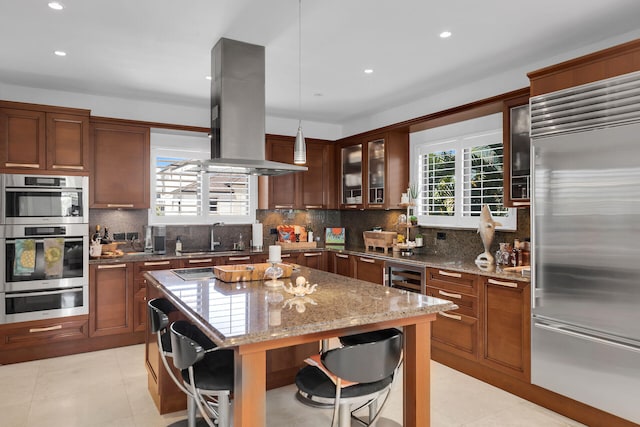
(239, 258)
(285, 255)
(106, 266)
(283, 206)
(521, 203)
(342, 256)
(450, 316)
(200, 261)
(68, 167)
(119, 205)
(350, 206)
(375, 206)
(499, 283)
(446, 273)
(22, 165)
(447, 294)
(45, 329)
(312, 253)
(149, 263)
(313, 206)
(369, 260)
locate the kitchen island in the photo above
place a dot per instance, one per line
(252, 318)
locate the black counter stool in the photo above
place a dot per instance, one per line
(370, 360)
(208, 373)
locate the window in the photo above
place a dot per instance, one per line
(459, 169)
(181, 196)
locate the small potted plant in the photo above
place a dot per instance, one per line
(413, 191)
(419, 239)
(413, 220)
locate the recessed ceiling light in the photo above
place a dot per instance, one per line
(56, 5)
(368, 71)
(207, 77)
(318, 94)
(60, 53)
(445, 34)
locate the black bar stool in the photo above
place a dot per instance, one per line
(207, 373)
(369, 360)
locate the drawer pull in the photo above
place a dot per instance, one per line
(200, 261)
(119, 205)
(239, 258)
(22, 165)
(342, 256)
(446, 273)
(285, 255)
(450, 316)
(150, 263)
(75, 168)
(447, 294)
(283, 206)
(369, 260)
(106, 266)
(499, 283)
(312, 253)
(46, 329)
(350, 206)
(314, 206)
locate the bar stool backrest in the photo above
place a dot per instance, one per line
(186, 351)
(366, 362)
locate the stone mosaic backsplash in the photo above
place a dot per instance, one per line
(463, 244)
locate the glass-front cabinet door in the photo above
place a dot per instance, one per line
(516, 144)
(351, 176)
(376, 173)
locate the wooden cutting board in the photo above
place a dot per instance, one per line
(247, 272)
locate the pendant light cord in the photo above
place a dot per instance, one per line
(299, 62)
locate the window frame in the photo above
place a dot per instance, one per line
(192, 146)
(457, 136)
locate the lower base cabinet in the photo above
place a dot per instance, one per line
(506, 331)
(312, 259)
(368, 269)
(110, 299)
(340, 264)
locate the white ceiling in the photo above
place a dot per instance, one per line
(159, 50)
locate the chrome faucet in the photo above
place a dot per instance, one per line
(212, 238)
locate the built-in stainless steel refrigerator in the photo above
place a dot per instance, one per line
(586, 238)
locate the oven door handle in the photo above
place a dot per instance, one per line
(79, 239)
(43, 190)
(36, 294)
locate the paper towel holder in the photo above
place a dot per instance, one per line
(256, 237)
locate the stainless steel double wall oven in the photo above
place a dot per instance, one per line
(44, 234)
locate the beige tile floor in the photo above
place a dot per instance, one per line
(109, 389)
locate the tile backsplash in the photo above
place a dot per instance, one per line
(462, 243)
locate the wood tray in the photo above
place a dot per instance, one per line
(297, 245)
(247, 272)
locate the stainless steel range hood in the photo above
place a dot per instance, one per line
(238, 112)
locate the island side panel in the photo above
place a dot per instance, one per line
(417, 374)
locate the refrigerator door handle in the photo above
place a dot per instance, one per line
(563, 330)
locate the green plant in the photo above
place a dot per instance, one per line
(418, 236)
(413, 218)
(413, 190)
(308, 228)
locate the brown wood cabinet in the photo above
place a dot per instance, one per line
(302, 190)
(369, 269)
(120, 166)
(516, 152)
(374, 170)
(140, 289)
(506, 338)
(41, 138)
(41, 338)
(455, 331)
(110, 299)
(341, 264)
(312, 259)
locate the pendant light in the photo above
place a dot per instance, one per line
(300, 147)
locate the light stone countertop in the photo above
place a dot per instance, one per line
(250, 312)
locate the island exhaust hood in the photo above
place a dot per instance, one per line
(238, 112)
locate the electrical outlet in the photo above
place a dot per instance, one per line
(273, 231)
(441, 236)
(118, 237)
(133, 235)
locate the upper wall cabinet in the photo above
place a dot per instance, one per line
(516, 144)
(119, 166)
(39, 138)
(301, 190)
(374, 170)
